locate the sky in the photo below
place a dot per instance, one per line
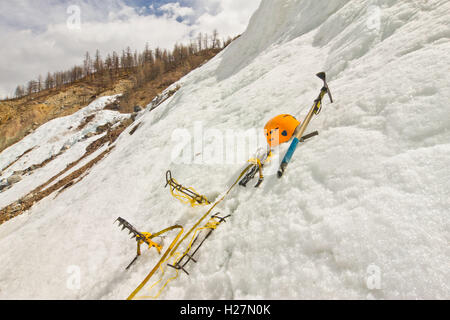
(53, 35)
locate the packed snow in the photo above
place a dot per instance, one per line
(361, 213)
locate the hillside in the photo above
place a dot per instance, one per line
(361, 213)
(21, 116)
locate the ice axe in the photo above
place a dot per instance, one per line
(316, 108)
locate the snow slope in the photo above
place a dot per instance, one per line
(47, 141)
(362, 211)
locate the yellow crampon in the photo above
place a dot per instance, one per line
(161, 261)
(212, 224)
(148, 240)
(172, 250)
(185, 195)
(142, 237)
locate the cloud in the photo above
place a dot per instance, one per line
(36, 37)
(174, 10)
(229, 17)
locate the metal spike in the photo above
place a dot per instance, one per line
(221, 219)
(134, 260)
(178, 267)
(191, 258)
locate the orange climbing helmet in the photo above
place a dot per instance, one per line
(280, 129)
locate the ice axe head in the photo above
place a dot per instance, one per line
(323, 77)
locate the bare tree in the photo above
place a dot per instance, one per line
(108, 62)
(31, 87)
(49, 82)
(129, 58)
(205, 42)
(215, 39)
(148, 55)
(87, 64)
(200, 41)
(39, 84)
(20, 92)
(98, 62)
(115, 62)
